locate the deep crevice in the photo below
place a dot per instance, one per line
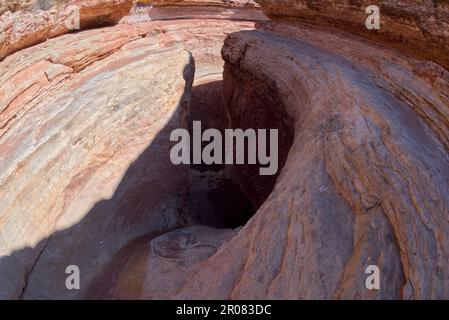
(227, 196)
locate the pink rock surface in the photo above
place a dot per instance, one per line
(101, 103)
(26, 28)
(419, 28)
(193, 3)
(15, 5)
(89, 131)
(365, 181)
(85, 177)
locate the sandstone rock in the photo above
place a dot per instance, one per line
(226, 3)
(190, 34)
(172, 256)
(91, 149)
(15, 5)
(419, 28)
(23, 29)
(75, 81)
(198, 12)
(146, 11)
(85, 120)
(95, 13)
(365, 175)
(365, 181)
(47, 4)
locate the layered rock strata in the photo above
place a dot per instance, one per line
(26, 28)
(84, 154)
(420, 28)
(192, 3)
(365, 181)
(364, 163)
(87, 118)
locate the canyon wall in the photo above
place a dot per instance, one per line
(193, 3)
(363, 120)
(83, 145)
(85, 124)
(365, 181)
(22, 29)
(420, 28)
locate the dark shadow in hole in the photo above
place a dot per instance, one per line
(213, 198)
(144, 203)
(228, 196)
(255, 104)
(143, 206)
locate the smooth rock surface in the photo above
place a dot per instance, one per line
(85, 177)
(365, 182)
(84, 162)
(171, 258)
(99, 108)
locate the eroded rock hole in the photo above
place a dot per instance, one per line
(227, 196)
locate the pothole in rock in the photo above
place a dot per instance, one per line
(215, 200)
(228, 196)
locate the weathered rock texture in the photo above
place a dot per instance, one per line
(26, 28)
(365, 179)
(365, 182)
(85, 177)
(198, 12)
(86, 119)
(420, 28)
(224, 3)
(47, 4)
(15, 5)
(85, 123)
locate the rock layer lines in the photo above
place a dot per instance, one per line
(85, 175)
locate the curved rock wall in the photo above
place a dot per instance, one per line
(419, 28)
(378, 174)
(85, 178)
(85, 124)
(23, 29)
(75, 152)
(365, 181)
(224, 3)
